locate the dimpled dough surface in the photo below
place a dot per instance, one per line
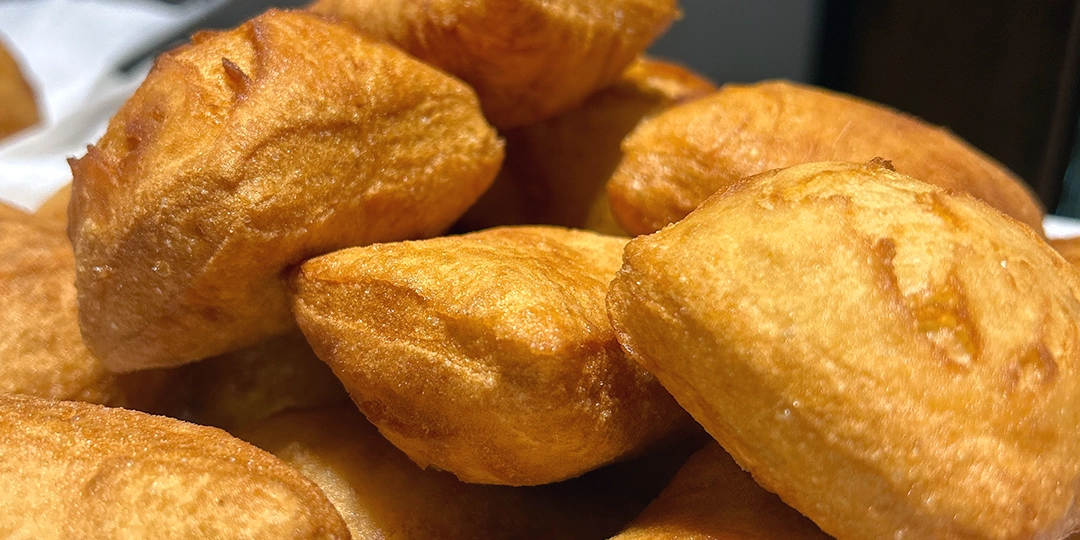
(893, 360)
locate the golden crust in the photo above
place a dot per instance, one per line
(382, 494)
(19, 108)
(488, 355)
(53, 213)
(711, 498)
(555, 170)
(42, 350)
(246, 152)
(73, 470)
(686, 154)
(1069, 248)
(527, 59)
(242, 387)
(887, 357)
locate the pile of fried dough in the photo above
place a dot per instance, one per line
(414, 269)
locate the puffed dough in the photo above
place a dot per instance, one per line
(74, 470)
(41, 348)
(382, 494)
(712, 498)
(19, 109)
(246, 152)
(488, 355)
(555, 170)
(1069, 248)
(681, 157)
(893, 360)
(53, 213)
(239, 388)
(527, 59)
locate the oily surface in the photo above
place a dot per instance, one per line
(527, 59)
(241, 387)
(73, 470)
(19, 109)
(555, 170)
(43, 353)
(683, 156)
(711, 498)
(889, 358)
(488, 355)
(250, 150)
(382, 494)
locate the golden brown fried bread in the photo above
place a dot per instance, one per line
(382, 494)
(241, 387)
(8, 211)
(488, 355)
(527, 59)
(681, 157)
(53, 213)
(74, 470)
(893, 360)
(1068, 248)
(711, 498)
(19, 109)
(246, 152)
(555, 170)
(42, 350)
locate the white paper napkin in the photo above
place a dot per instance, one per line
(69, 49)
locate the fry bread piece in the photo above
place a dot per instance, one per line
(53, 213)
(42, 351)
(382, 494)
(488, 355)
(74, 470)
(19, 109)
(241, 387)
(891, 359)
(681, 157)
(555, 170)
(1068, 248)
(246, 152)
(527, 59)
(9, 212)
(712, 498)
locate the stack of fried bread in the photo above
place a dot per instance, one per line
(414, 269)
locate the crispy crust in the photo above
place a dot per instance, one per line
(1068, 248)
(681, 157)
(83, 471)
(527, 59)
(488, 355)
(555, 170)
(42, 350)
(251, 150)
(886, 356)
